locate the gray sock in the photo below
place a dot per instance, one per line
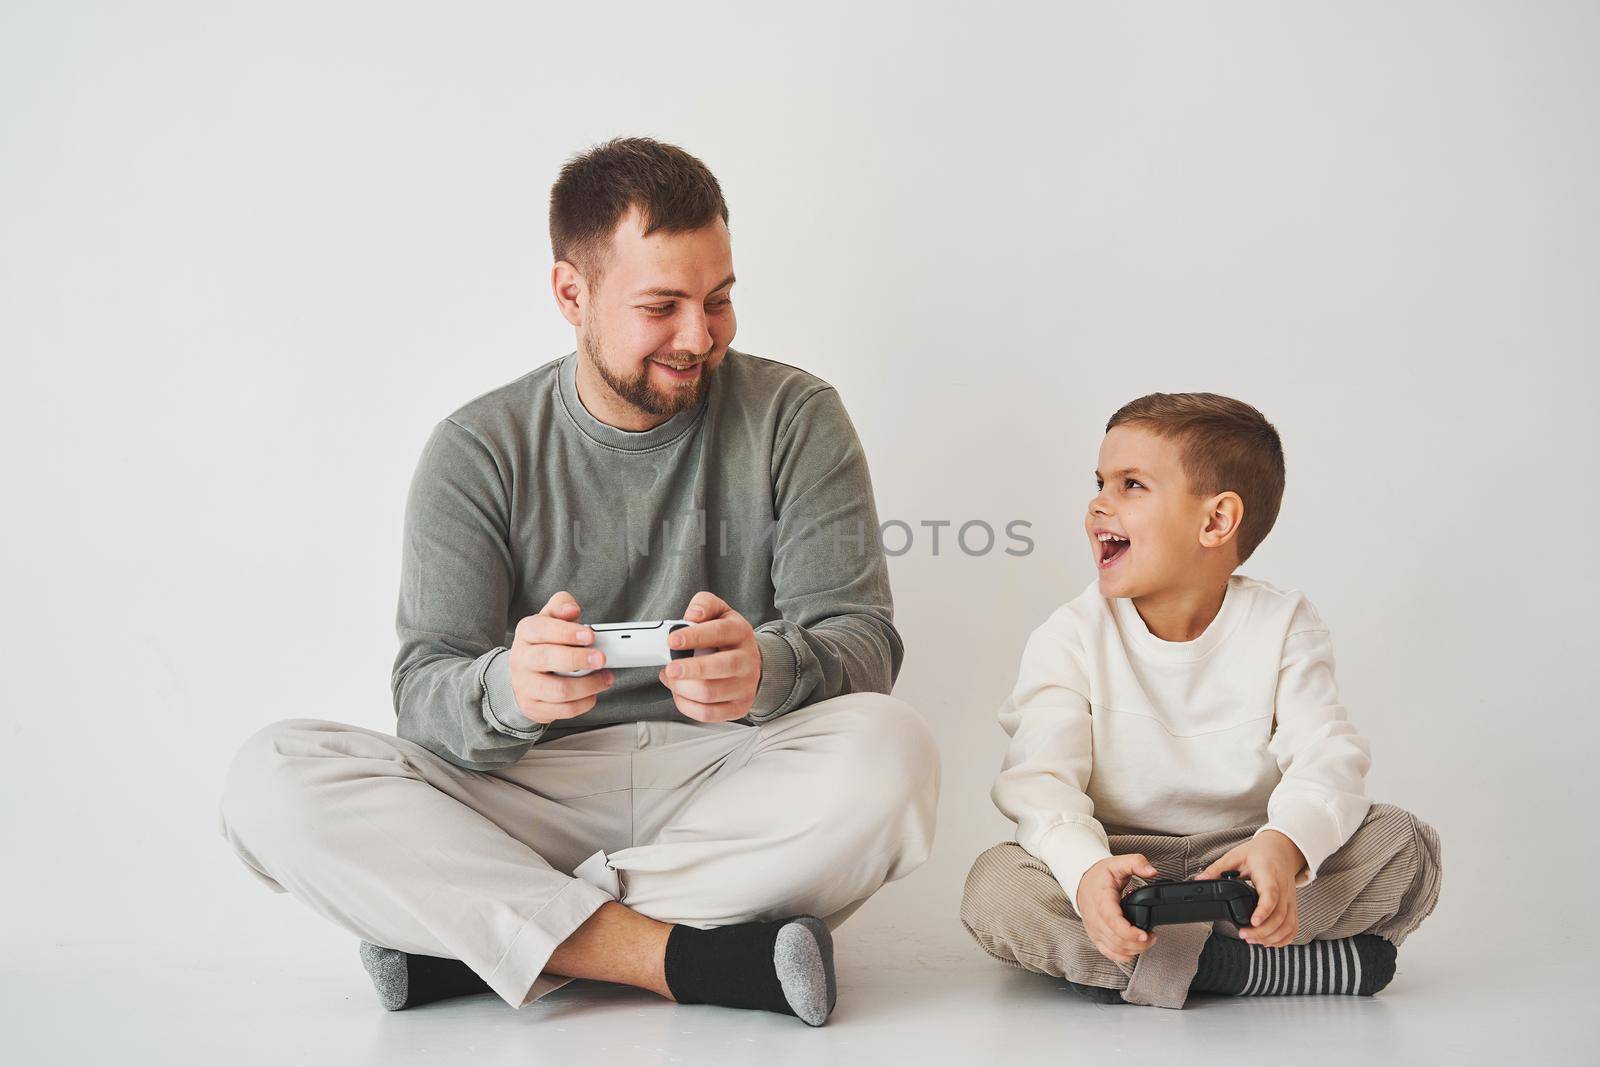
(1098, 994)
(803, 957)
(785, 966)
(387, 969)
(407, 980)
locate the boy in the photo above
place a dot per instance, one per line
(1177, 721)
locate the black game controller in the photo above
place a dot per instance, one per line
(1165, 903)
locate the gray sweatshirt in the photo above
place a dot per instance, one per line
(759, 495)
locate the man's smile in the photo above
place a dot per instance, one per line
(680, 372)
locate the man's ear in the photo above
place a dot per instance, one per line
(1224, 513)
(571, 291)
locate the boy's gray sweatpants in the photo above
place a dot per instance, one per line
(704, 824)
(1384, 881)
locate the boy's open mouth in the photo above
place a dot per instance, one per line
(1112, 547)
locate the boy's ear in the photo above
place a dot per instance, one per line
(1224, 513)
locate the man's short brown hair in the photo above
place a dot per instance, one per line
(1226, 445)
(673, 191)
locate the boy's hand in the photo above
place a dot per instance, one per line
(1100, 907)
(1271, 861)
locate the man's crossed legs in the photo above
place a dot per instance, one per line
(698, 849)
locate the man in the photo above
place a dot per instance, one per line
(708, 812)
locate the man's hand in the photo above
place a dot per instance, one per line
(553, 641)
(1271, 861)
(1100, 907)
(719, 683)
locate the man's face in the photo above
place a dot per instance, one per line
(660, 319)
(1144, 524)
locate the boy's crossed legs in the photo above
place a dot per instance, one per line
(1383, 882)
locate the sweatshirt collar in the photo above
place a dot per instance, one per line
(610, 436)
(1136, 633)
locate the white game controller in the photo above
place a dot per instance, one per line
(635, 644)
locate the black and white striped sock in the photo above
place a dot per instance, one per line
(1353, 966)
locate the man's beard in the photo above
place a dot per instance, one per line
(638, 392)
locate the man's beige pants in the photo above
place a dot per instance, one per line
(1384, 881)
(703, 824)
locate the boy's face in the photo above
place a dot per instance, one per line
(1144, 524)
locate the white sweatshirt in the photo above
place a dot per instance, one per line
(1112, 726)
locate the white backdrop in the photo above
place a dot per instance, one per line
(250, 256)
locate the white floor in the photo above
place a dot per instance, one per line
(919, 995)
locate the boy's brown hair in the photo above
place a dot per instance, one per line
(1226, 445)
(673, 191)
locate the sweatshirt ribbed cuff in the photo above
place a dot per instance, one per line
(500, 709)
(1069, 850)
(1312, 826)
(779, 670)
